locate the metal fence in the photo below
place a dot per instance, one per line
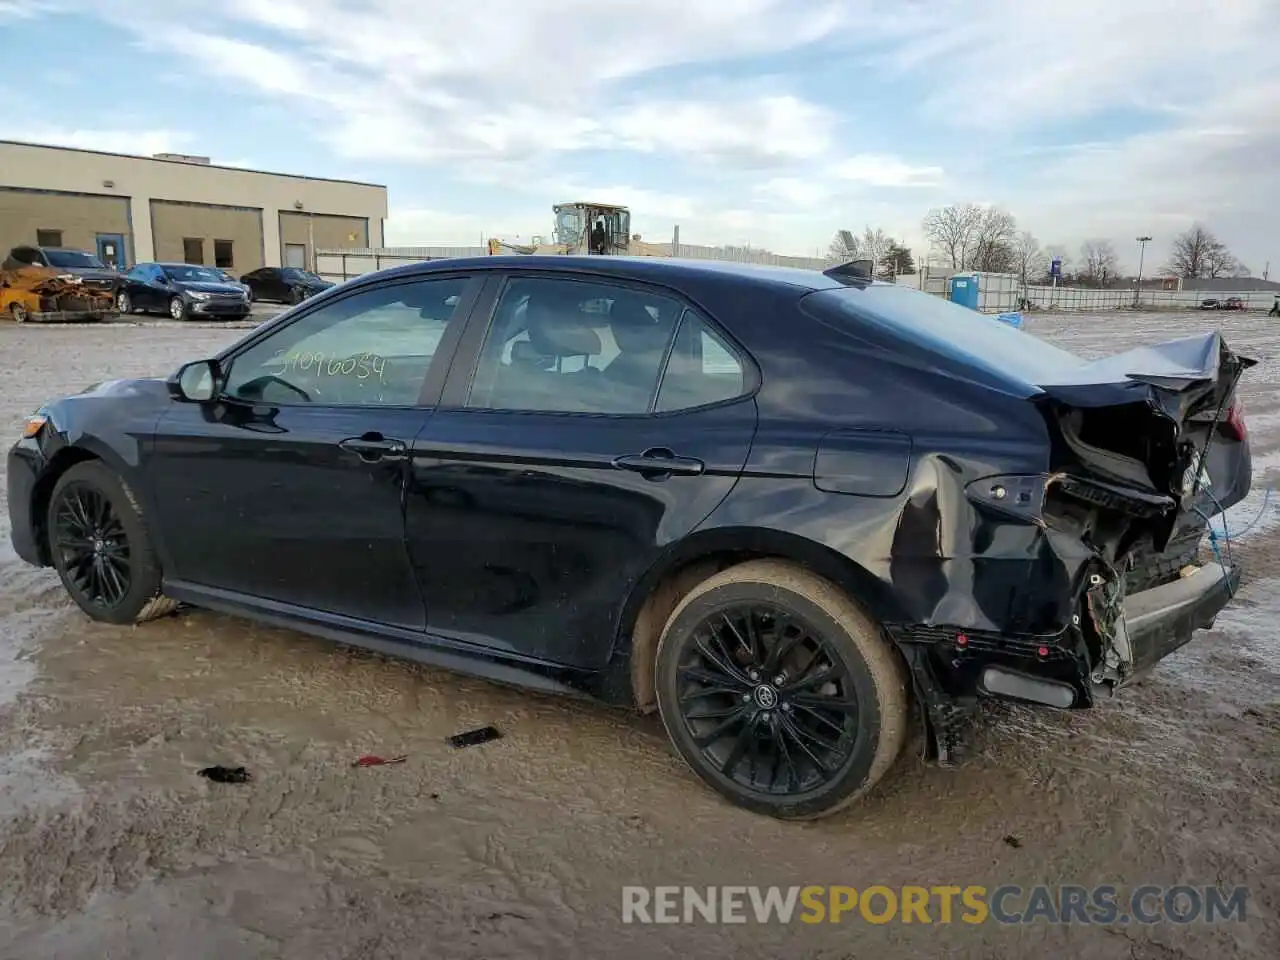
(339, 265)
(1082, 298)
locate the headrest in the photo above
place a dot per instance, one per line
(559, 330)
(634, 328)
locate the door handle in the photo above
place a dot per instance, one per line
(375, 448)
(658, 463)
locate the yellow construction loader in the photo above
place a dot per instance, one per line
(585, 228)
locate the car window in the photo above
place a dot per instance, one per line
(574, 346)
(74, 258)
(703, 368)
(371, 348)
(139, 273)
(194, 274)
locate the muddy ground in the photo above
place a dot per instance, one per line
(111, 846)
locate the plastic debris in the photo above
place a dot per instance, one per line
(372, 760)
(227, 774)
(472, 738)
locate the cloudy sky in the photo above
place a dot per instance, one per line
(772, 122)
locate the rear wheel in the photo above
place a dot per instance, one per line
(100, 547)
(18, 312)
(779, 692)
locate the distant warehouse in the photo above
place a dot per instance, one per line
(176, 208)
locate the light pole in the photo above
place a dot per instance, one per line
(1142, 249)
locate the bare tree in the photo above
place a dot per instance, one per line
(874, 245)
(1219, 262)
(951, 230)
(1101, 265)
(993, 238)
(1029, 260)
(1198, 253)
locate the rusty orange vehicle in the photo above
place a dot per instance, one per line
(46, 295)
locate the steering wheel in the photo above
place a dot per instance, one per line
(258, 384)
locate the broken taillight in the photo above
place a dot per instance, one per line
(1234, 426)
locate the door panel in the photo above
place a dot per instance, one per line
(290, 486)
(525, 536)
(528, 527)
(266, 501)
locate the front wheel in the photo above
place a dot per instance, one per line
(124, 305)
(178, 308)
(296, 295)
(99, 545)
(780, 692)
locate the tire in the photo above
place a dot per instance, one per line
(872, 723)
(124, 304)
(177, 309)
(93, 490)
(18, 312)
(295, 296)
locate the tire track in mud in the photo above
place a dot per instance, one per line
(519, 848)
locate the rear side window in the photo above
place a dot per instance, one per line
(703, 368)
(950, 329)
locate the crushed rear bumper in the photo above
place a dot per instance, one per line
(1160, 620)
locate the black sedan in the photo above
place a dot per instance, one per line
(183, 291)
(793, 512)
(284, 284)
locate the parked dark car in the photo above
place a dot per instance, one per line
(284, 284)
(791, 511)
(93, 273)
(231, 278)
(184, 291)
(1210, 303)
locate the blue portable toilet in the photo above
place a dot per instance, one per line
(964, 290)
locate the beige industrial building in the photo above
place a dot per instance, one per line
(179, 208)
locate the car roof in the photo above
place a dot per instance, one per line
(655, 269)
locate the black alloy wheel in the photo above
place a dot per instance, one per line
(92, 545)
(99, 544)
(779, 692)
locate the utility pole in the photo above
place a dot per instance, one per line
(1142, 249)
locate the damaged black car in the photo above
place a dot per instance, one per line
(795, 513)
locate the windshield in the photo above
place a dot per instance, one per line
(190, 274)
(73, 258)
(957, 331)
(297, 273)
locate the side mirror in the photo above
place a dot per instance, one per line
(195, 382)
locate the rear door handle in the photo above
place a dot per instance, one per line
(658, 463)
(375, 448)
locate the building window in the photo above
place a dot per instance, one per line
(222, 255)
(193, 249)
(48, 238)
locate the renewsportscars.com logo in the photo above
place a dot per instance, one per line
(972, 904)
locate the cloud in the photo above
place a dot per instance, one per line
(882, 171)
(771, 120)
